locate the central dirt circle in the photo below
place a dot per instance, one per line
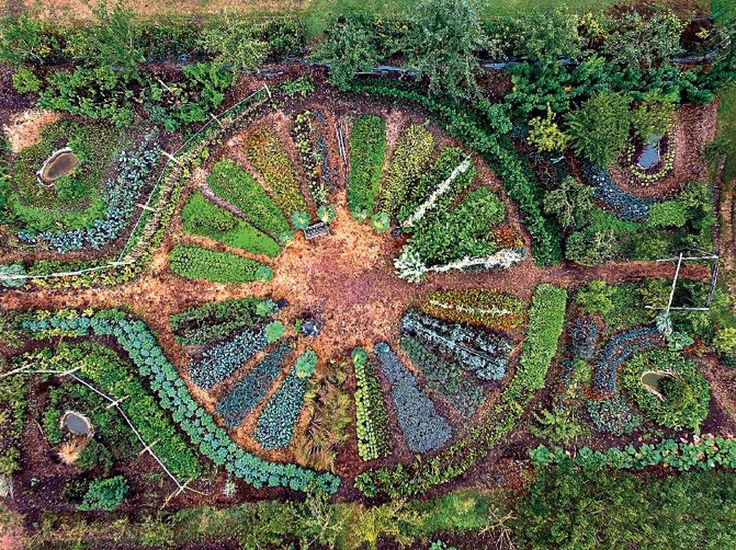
(346, 281)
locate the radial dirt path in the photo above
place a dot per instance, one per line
(345, 280)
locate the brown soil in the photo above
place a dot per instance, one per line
(24, 128)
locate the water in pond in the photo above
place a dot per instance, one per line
(649, 157)
(59, 165)
(76, 423)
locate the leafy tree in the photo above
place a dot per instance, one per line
(105, 494)
(545, 36)
(441, 44)
(654, 115)
(22, 39)
(599, 128)
(235, 42)
(596, 297)
(545, 134)
(570, 203)
(111, 41)
(350, 47)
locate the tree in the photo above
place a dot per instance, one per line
(654, 114)
(111, 41)
(570, 203)
(633, 40)
(236, 43)
(599, 128)
(441, 44)
(22, 39)
(545, 135)
(350, 47)
(105, 494)
(545, 36)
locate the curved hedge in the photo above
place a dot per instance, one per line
(213, 441)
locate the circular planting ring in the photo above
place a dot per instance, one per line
(271, 334)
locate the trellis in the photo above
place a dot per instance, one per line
(680, 258)
(113, 403)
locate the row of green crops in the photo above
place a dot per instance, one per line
(213, 441)
(194, 262)
(230, 182)
(367, 151)
(202, 217)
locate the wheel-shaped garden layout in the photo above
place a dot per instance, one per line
(338, 262)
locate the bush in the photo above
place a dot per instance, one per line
(268, 155)
(591, 247)
(104, 494)
(236, 186)
(422, 426)
(725, 344)
(413, 150)
(599, 128)
(367, 150)
(194, 262)
(305, 364)
(201, 217)
(245, 395)
(24, 81)
(371, 419)
(612, 416)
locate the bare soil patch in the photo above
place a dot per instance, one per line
(23, 129)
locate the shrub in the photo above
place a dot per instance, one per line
(667, 214)
(367, 150)
(599, 128)
(725, 344)
(268, 155)
(215, 321)
(276, 423)
(222, 359)
(371, 419)
(590, 247)
(545, 135)
(595, 297)
(24, 81)
(236, 186)
(246, 394)
(570, 203)
(686, 394)
(194, 262)
(444, 378)
(422, 426)
(201, 217)
(479, 306)
(413, 150)
(105, 494)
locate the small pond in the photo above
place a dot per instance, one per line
(76, 423)
(651, 379)
(58, 165)
(650, 154)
